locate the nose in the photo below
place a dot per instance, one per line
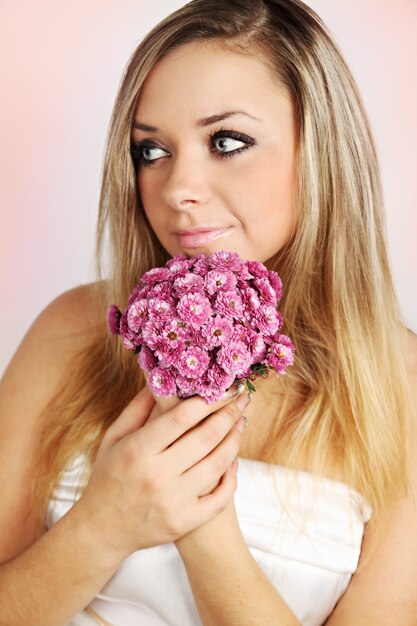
(187, 184)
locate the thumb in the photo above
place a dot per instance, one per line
(133, 417)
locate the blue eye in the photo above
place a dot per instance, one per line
(223, 143)
(221, 138)
(139, 156)
(219, 142)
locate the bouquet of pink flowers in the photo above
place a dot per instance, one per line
(199, 324)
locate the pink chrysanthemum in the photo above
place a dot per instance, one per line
(128, 336)
(234, 358)
(229, 304)
(156, 275)
(168, 356)
(217, 331)
(266, 291)
(178, 266)
(253, 340)
(226, 260)
(209, 392)
(161, 291)
(251, 300)
(152, 334)
(137, 314)
(188, 283)
(258, 348)
(196, 337)
(113, 319)
(193, 362)
(201, 265)
(266, 320)
(219, 378)
(128, 343)
(281, 355)
(257, 269)
(160, 308)
(176, 329)
(165, 336)
(194, 308)
(162, 382)
(276, 284)
(241, 332)
(187, 387)
(220, 281)
(147, 359)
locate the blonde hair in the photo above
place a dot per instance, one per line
(344, 401)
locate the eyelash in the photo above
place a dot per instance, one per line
(137, 147)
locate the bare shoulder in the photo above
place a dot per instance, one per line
(32, 377)
(73, 311)
(59, 330)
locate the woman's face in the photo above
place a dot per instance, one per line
(217, 170)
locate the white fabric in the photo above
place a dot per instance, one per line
(83, 619)
(304, 531)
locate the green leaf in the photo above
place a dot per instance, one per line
(250, 386)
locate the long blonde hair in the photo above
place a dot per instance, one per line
(344, 400)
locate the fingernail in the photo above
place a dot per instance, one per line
(243, 400)
(235, 466)
(242, 423)
(233, 392)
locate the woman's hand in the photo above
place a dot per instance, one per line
(145, 485)
(162, 404)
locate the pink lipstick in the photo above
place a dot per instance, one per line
(199, 236)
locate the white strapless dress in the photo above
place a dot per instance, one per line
(304, 531)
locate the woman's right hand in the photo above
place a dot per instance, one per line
(147, 479)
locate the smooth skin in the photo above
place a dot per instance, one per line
(187, 179)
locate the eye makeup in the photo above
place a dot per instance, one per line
(137, 148)
(232, 134)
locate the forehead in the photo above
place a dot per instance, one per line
(200, 78)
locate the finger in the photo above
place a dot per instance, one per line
(156, 411)
(205, 475)
(203, 439)
(214, 503)
(162, 431)
(133, 417)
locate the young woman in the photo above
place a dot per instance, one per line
(237, 127)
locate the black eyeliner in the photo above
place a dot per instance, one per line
(137, 147)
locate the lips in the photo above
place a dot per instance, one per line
(198, 237)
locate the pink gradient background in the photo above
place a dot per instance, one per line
(61, 65)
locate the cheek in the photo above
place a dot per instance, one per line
(269, 200)
(268, 189)
(148, 196)
(144, 189)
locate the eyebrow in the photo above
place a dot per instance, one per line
(201, 123)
